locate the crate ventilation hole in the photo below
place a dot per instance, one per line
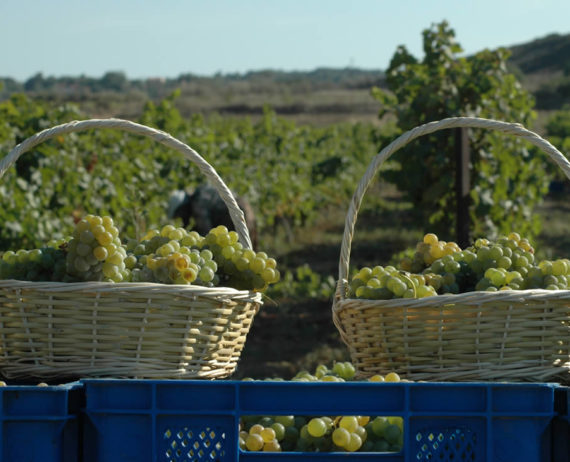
(449, 445)
(189, 445)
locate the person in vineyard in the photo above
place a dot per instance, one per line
(206, 209)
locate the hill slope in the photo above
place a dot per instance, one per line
(550, 54)
(543, 67)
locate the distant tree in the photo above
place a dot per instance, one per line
(114, 81)
(507, 180)
(35, 83)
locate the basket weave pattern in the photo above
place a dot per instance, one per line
(136, 330)
(505, 335)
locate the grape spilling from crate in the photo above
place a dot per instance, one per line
(170, 255)
(438, 267)
(341, 433)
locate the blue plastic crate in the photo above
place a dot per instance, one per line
(561, 426)
(40, 423)
(133, 420)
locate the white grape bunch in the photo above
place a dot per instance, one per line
(507, 263)
(168, 255)
(95, 251)
(177, 256)
(43, 264)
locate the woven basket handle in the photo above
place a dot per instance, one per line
(404, 139)
(161, 137)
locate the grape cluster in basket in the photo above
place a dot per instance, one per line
(324, 433)
(439, 267)
(170, 255)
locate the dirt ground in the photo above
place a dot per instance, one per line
(284, 340)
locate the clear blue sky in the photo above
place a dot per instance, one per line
(170, 37)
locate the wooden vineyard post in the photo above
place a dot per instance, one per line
(462, 186)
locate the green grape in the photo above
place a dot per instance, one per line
(165, 250)
(34, 255)
(495, 252)
(379, 424)
(242, 263)
(86, 236)
(303, 445)
(109, 269)
(166, 230)
(115, 259)
(83, 249)
(354, 444)
(211, 264)
(228, 252)
(257, 264)
(206, 274)
(304, 433)
(365, 274)
(381, 446)
(546, 267)
(206, 254)
(268, 434)
(291, 433)
(9, 256)
(81, 265)
(361, 432)
(392, 433)
(559, 267)
(349, 371)
(398, 288)
(349, 423)
(272, 446)
(100, 253)
(504, 262)
(550, 280)
(521, 262)
(279, 430)
(339, 368)
(511, 275)
(437, 266)
(341, 437)
(316, 427)
(254, 442)
(265, 421)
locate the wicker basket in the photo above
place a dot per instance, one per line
(136, 330)
(475, 336)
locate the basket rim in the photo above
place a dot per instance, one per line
(151, 287)
(474, 298)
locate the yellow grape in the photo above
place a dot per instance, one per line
(254, 442)
(354, 444)
(341, 437)
(268, 434)
(349, 423)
